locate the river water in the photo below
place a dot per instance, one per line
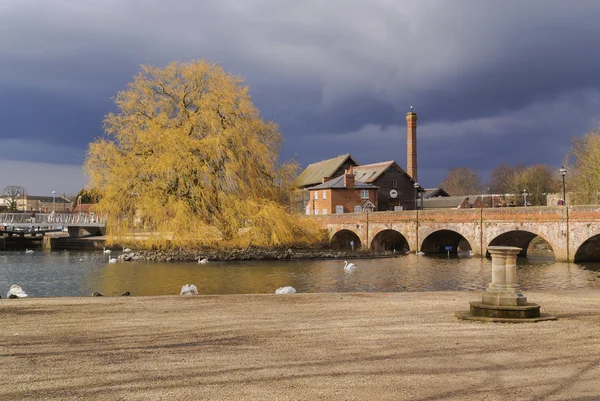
(62, 273)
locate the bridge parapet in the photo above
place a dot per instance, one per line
(52, 219)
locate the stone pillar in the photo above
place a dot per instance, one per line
(504, 289)
(46, 243)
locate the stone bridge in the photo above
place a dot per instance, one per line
(573, 232)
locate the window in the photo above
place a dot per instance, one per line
(317, 195)
(316, 211)
(324, 211)
(364, 194)
(324, 194)
(394, 184)
(307, 209)
(339, 209)
(357, 209)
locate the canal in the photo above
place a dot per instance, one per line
(61, 273)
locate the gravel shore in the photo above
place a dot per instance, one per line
(361, 346)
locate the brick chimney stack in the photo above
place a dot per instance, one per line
(349, 178)
(411, 144)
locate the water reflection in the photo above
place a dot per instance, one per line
(81, 273)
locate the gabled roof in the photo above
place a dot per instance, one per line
(314, 173)
(370, 172)
(435, 193)
(367, 203)
(339, 183)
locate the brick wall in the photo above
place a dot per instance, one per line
(339, 196)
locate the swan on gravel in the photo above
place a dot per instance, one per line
(285, 290)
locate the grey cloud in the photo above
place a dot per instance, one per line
(476, 71)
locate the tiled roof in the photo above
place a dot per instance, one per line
(57, 199)
(370, 172)
(314, 173)
(443, 202)
(434, 193)
(339, 183)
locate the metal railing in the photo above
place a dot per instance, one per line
(52, 219)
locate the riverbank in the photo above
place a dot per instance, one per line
(379, 346)
(251, 253)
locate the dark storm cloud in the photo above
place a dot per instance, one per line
(492, 82)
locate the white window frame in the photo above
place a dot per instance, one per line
(339, 209)
(316, 195)
(316, 211)
(364, 194)
(324, 211)
(324, 194)
(357, 209)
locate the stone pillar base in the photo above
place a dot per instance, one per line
(503, 298)
(528, 313)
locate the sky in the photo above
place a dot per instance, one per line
(492, 82)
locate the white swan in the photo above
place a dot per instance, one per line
(420, 253)
(285, 290)
(112, 260)
(349, 266)
(126, 249)
(106, 250)
(16, 291)
(202, 261)
(189, 290)
(28, 250)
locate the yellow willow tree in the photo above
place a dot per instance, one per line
(188, 161)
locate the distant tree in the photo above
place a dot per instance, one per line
(462, 181)
(583, 178)
(536, 181)
(12, 193)
(501, 179)
(189, 158)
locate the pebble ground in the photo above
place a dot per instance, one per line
(364, 346)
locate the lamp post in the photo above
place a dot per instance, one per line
(525, 197)
(417, 187)
(563, 172)
(53, 201)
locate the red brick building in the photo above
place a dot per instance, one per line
(343, 194)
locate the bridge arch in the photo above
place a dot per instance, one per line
(518, 238)
(589, 250)
(389, 240)
(341, 240)
(437, 241)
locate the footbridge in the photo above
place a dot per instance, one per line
(30, 223)
(572, 232)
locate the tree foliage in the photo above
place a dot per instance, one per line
(87, 196)
(501, 179)
(188, 159)
(584, 175)
(462, 181)
(537, 181)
